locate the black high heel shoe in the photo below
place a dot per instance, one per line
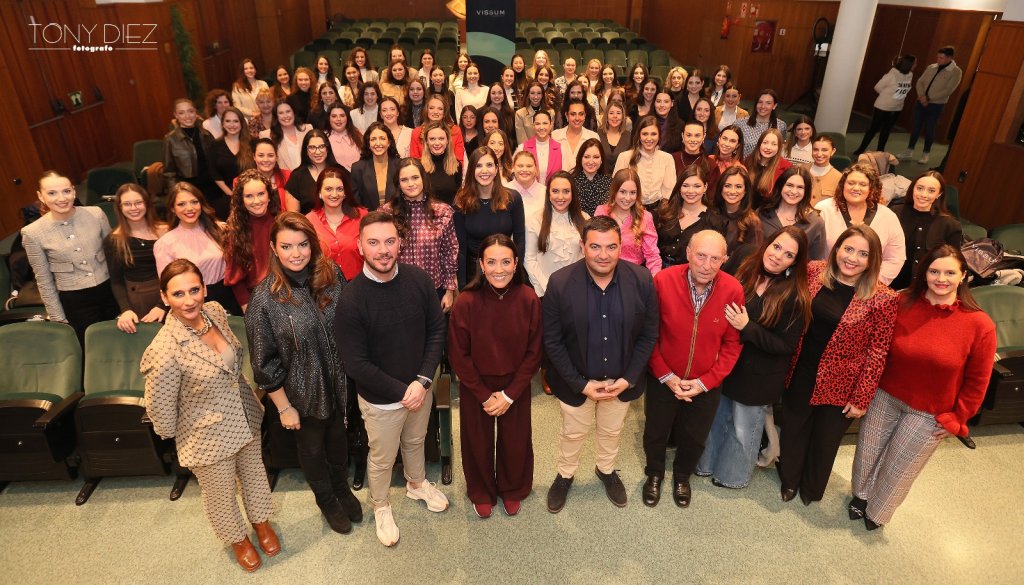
(788, 494)
(856, 508)
(869, 524)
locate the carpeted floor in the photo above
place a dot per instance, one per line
(961, 523)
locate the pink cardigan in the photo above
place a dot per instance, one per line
(554, 156)
(645, 252)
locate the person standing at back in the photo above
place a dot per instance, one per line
(936, 84)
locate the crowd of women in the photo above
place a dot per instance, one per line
(490, 187)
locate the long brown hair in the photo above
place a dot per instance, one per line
(637, 212)
(400, 207)
(467, 200)
(939, 205)
(574, 211)
(763, 171)
(321, 274)
(748, 224)
(207, 219)
(646, 121)
(918, 287)
(238, 244)
(122, 233)
(669, 209)
(781, 287)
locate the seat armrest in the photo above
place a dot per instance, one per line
(60, 410)
(113, 401)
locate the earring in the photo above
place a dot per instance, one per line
(789, 271)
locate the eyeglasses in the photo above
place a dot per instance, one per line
(132, 204)
(317, 148)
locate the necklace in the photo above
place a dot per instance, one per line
(501, 296)
(205, 329)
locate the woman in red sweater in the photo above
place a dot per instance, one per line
(838, 362)
(494, 344)
(254, 205)
(934, 381)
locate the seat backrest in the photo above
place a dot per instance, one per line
(238, 328)
(953, 200)
(106, 180)
(1005, 306)
(659, 57)
(112, 357)
(840, 162)
(637, 56)
(303, 58)
(615, 57)
(1011, 236)
(838, 138)
(40, 356)
(146, 152)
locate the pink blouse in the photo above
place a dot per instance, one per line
(345, 151)
(193, 244)
(645, 252)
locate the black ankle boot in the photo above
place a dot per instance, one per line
(348, 500)
(330, 507)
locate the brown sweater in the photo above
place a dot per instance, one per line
(495, 344)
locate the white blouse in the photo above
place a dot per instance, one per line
(563, 248)
(289, 154)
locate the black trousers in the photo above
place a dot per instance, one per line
(86, 306)
(809, 442)
(321, 442)
(221, 293)
(689, 422)
(882, 123)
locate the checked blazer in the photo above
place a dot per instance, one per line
(191, 394)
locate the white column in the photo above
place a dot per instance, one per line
(846, 57)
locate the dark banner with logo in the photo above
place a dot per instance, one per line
(490, 35)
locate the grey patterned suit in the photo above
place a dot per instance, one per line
(214, 416)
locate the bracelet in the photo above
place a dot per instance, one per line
(285, 409)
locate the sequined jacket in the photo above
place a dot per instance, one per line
(291, 346)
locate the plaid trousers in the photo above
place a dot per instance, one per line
(894, 444)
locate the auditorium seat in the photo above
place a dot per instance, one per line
(40, 384)
(658, 57)
(838, 139)
(840, 162)
(1004, 401)
(102, 181)
(1011, 236)
(593, 54)
(636, 56)
(303, 58)
(113, 440)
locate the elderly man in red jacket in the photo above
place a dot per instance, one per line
(696, 350)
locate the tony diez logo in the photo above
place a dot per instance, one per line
(91, 38)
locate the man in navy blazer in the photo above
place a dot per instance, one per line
(600, 326)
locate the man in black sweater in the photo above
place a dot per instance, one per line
(390, 333)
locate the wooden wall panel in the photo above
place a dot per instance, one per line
(984, 162)
(690, 30)
(617, 10)
(899, 30)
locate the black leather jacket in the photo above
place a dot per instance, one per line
(291, 346)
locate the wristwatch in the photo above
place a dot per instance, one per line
(425, 381)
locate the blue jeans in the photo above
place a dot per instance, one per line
(925, 117)
(731, 451)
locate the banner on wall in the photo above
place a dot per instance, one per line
(490, 34)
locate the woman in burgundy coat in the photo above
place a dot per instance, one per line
(494, 345)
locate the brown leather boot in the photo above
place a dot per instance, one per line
(267, 538)
(246, 555)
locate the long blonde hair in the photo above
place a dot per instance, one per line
(451, 164)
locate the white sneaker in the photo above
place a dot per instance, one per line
(387, 530)
(436, 501)
(924, 159)
(905, 155)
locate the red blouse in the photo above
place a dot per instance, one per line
(340, 245)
